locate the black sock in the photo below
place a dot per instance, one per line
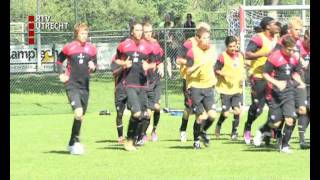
(208, 124)
(145, 125)
(221, 119)
(287, 132)
(156, 118)
(302, 124)
(196, 131)
(184, 124)
(132, 127)
(119, 124)
(250, 119)
(235, 123)
(120, 130)
(75, 133)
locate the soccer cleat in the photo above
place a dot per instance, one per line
(76, 149)
(145, 138)
(257, 140)
(286, 150)
(217, 132)
(247, 137)
(196, 145)
(139, 142)
(304, 146)
(234, 136)
(121, 140)
(205, 138)
(128, 145)
(154, 136)
(183, 136)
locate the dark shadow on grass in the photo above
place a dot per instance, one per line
(269, 148)
(181, 147)
(113, 148)
(171, 140)
(58, 152)
(233, 142)
(107, 141)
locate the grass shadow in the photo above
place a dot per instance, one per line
(269, 148)
(57, 152)
(113, 148)
(107, 141)
(181, 147)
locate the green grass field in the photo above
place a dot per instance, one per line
(40, 127)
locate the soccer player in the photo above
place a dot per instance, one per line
(281, 70)
(154, 84)
(304, 118)
(182, 62)
(132, 55)
(230, 73)
(120, 97)
(257, 51)
(82, 59)
(201, 81)
(295, 25)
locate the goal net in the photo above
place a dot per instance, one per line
(242, 22)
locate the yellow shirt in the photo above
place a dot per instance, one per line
(204, 76)
(183, 68)
(256, 68)
(235, 67)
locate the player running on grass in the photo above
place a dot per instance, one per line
(81, 60)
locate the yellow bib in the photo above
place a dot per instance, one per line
(234, 67)
(256, 68)
(204, 76)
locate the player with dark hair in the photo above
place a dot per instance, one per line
(281, 70)
(230, 73)
(260, 45)
(120, 96)
(132, 55)
(81, 60)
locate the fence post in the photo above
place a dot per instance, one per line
(165, 68)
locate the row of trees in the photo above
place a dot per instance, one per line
(115, 14)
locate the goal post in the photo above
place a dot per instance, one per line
(281, 13)
(243, 19)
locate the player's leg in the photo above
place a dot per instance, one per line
(275, 117)
(74, 97)
(226, 104)
(134, 106)
(198, 109)
(256, 108)
(210, 107)
(186, 112)
(301, 103)
(120, 104)
(156, 114)
(144, 118)
(289, 113)
(236, 106)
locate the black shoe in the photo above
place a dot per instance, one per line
(267, 140)
(304, 146)
(205, 138)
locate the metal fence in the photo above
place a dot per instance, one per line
(33, 81)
